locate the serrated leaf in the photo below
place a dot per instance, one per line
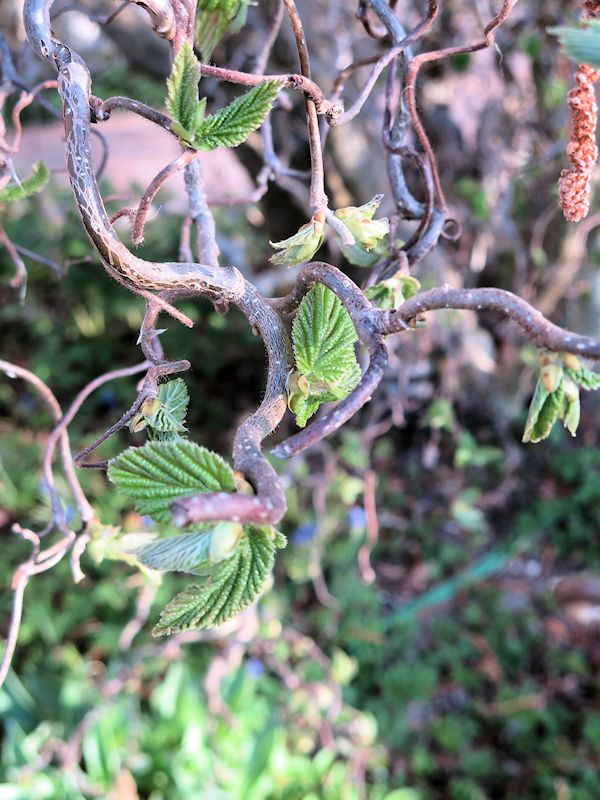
(585, 378)
(182, 91)
(34, 183)
(231, 125)
(174, 399)
(544, 410)
(159, 473)
(213, 19)
(232, 586)
(581, 44)
(303, 408)
(323, 337)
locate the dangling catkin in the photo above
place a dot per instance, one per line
(574, 186)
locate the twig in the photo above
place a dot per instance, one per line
(318, 197)
(102, 110)
(432, 56)
(292, 80)
(178, 164)
(85, 510)
(20, 276)
(275, 25)
(539, 330)
(13, 370)
(364, 554)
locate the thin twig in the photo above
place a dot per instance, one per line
(318, 197)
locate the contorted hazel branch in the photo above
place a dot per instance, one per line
(574, 185)
(175, 480)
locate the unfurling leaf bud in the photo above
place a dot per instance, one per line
(572, 408)
(138, 423)
(302, 246)
(225, 538)
(369, 234)
(550, 372)
(241, 484)
(393, 292)
(150, 406)
(570, 361)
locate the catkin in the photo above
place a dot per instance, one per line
(574, 185)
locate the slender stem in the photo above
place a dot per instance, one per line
(318, 197)
(178, 164)
(103, 108)
(13, 370)
(85, 510)
(292, 80)
(539, 330)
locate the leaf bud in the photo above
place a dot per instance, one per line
(570, 361)
(224, 540)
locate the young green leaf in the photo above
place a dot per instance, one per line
(34, 183)
(232, 586)
(302, 245)
(581, 44)
(182, 92)
(303, 408)
(108, 543)
(182, 553)
(174, 399)
(161, 472)
(572, 409)
(213, 19)
(391, 293)
(231, 125)
(584, 377)
(323, 339)
(370, 234)
(545, 408)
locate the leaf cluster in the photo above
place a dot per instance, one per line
(229, 126)
(233, 560)
(556, 396)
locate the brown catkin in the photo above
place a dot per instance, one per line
(574, 186)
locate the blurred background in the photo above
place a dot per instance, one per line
(432, 628)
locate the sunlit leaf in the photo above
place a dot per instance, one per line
(232, 125)
(169, 416)
(232, 586)
(182, 92)
(323, 338)
(161, 472)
